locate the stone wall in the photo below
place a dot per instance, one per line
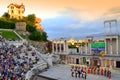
(40, 46)
(20, 26)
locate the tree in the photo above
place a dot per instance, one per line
(30, 19)
(83, 43)
(35, 36)
(44, 36)
(30, 28)
(6, 15)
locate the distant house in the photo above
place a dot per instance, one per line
(38, 26)
(16, 11)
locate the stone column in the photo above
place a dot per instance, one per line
(60, 46)
(90, 48)
(114, 64)
(81, 49)
(70, 60)
(104, 29)
(111, 46)
(105, 46)
(53, 47)
(110, 28)
(64, 46)
(86, 48)
(117, 46)
(56, 48)
(117, 28)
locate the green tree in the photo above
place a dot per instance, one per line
(44, 36)
(6, 15)
(6, 25)
(30, 19)
(83, 43)
(30, 28)
(72, 46)
(35, 36)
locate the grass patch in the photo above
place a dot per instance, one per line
(9, 35)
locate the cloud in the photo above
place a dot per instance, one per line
(82, 14)
(112, 13)
(66, 26)
(70, 23)
(115, 10)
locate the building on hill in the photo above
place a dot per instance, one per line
(38, 26)
(16, 11)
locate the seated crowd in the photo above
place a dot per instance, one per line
(16, 61)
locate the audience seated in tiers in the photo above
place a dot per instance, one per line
(15, 61)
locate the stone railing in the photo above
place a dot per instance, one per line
(42, 65)
(36, 69)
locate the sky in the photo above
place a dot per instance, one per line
(71, 18)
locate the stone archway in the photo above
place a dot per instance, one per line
(95, 61)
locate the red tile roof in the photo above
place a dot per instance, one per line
(16, 5)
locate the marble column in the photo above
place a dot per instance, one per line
(117, 46)
(64, 46)
(114, 64)
(81, 49)
(60, 47)
(90, 48)
(110, 28)
(105, 47)
(111, 46)
(56, 48)
(104, 29)
(53, 47)
(86, 48)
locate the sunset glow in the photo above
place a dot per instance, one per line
(69, 17)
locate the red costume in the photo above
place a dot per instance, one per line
(94, 71)
(88, 70)
(101, 72)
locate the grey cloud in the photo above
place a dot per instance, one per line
(114, 10)
(112, 13)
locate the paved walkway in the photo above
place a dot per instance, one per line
(62, 72)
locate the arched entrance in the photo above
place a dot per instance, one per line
(95, 62)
